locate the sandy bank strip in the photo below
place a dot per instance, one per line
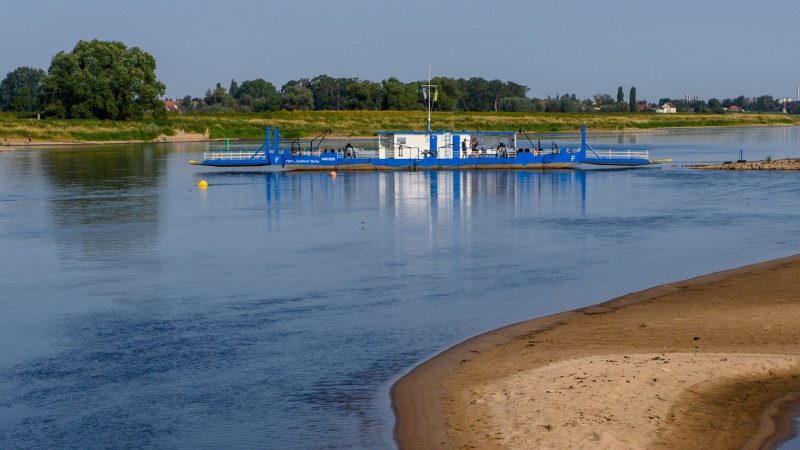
(702, 363)
(179, 136)
(774, 164)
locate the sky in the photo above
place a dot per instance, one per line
(704, 48)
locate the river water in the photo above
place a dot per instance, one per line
(275, 310)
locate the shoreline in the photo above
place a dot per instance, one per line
(728, 338)
(181, 137)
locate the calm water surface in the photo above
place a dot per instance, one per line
(275, 310)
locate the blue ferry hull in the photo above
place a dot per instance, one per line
(332, 161)
(613, 163)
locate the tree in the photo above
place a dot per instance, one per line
(517, 104)
(233, 89)
(186, 103)
(632, 100)
(103, 79)
(603, 99)
(398, 96)
(482, 95)
(700, 106)
(478, 95)
(620, 95)
(569, 103)
(328, 92)
(362, 94)
(258, 95)
(20, 88)
(219, 97)
(765, 103)
(715, 105)
(449, 96)
(296, 96)
(511, 89)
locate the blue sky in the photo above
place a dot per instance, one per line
(664, 48)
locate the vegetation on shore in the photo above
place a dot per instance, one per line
(104, 91)
(354, 123)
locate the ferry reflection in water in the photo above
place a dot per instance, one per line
(428, 197)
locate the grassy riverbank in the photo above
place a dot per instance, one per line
(355, 123)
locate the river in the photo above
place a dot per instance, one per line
(275, 310)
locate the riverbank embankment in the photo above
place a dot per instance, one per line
(306, 124)
(709, 362)
(767, 164)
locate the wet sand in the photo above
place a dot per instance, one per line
(711, 362)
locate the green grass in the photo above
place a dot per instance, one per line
(358, 123)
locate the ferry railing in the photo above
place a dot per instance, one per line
(234, 153)
(358, 152)
(623, 154)
(366, 153)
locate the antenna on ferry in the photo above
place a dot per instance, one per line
(429, 94)
(430, 98)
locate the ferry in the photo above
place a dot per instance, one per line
(423, 150)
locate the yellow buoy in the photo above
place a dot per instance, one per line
(202, 184)
(333, 174)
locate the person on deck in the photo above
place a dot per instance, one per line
(501, 150)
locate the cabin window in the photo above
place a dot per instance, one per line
(401, 141)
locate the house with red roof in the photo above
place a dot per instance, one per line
(172, 106)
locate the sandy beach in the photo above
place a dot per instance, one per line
(711, 362)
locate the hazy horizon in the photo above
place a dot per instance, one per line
(585, 48)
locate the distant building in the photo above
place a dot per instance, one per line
(734, 108)
(172, 106)
(667, 108)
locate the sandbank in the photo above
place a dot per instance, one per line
(711, 362)
(772, 164)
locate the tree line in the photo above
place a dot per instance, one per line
(328, 93)
(108, 80)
